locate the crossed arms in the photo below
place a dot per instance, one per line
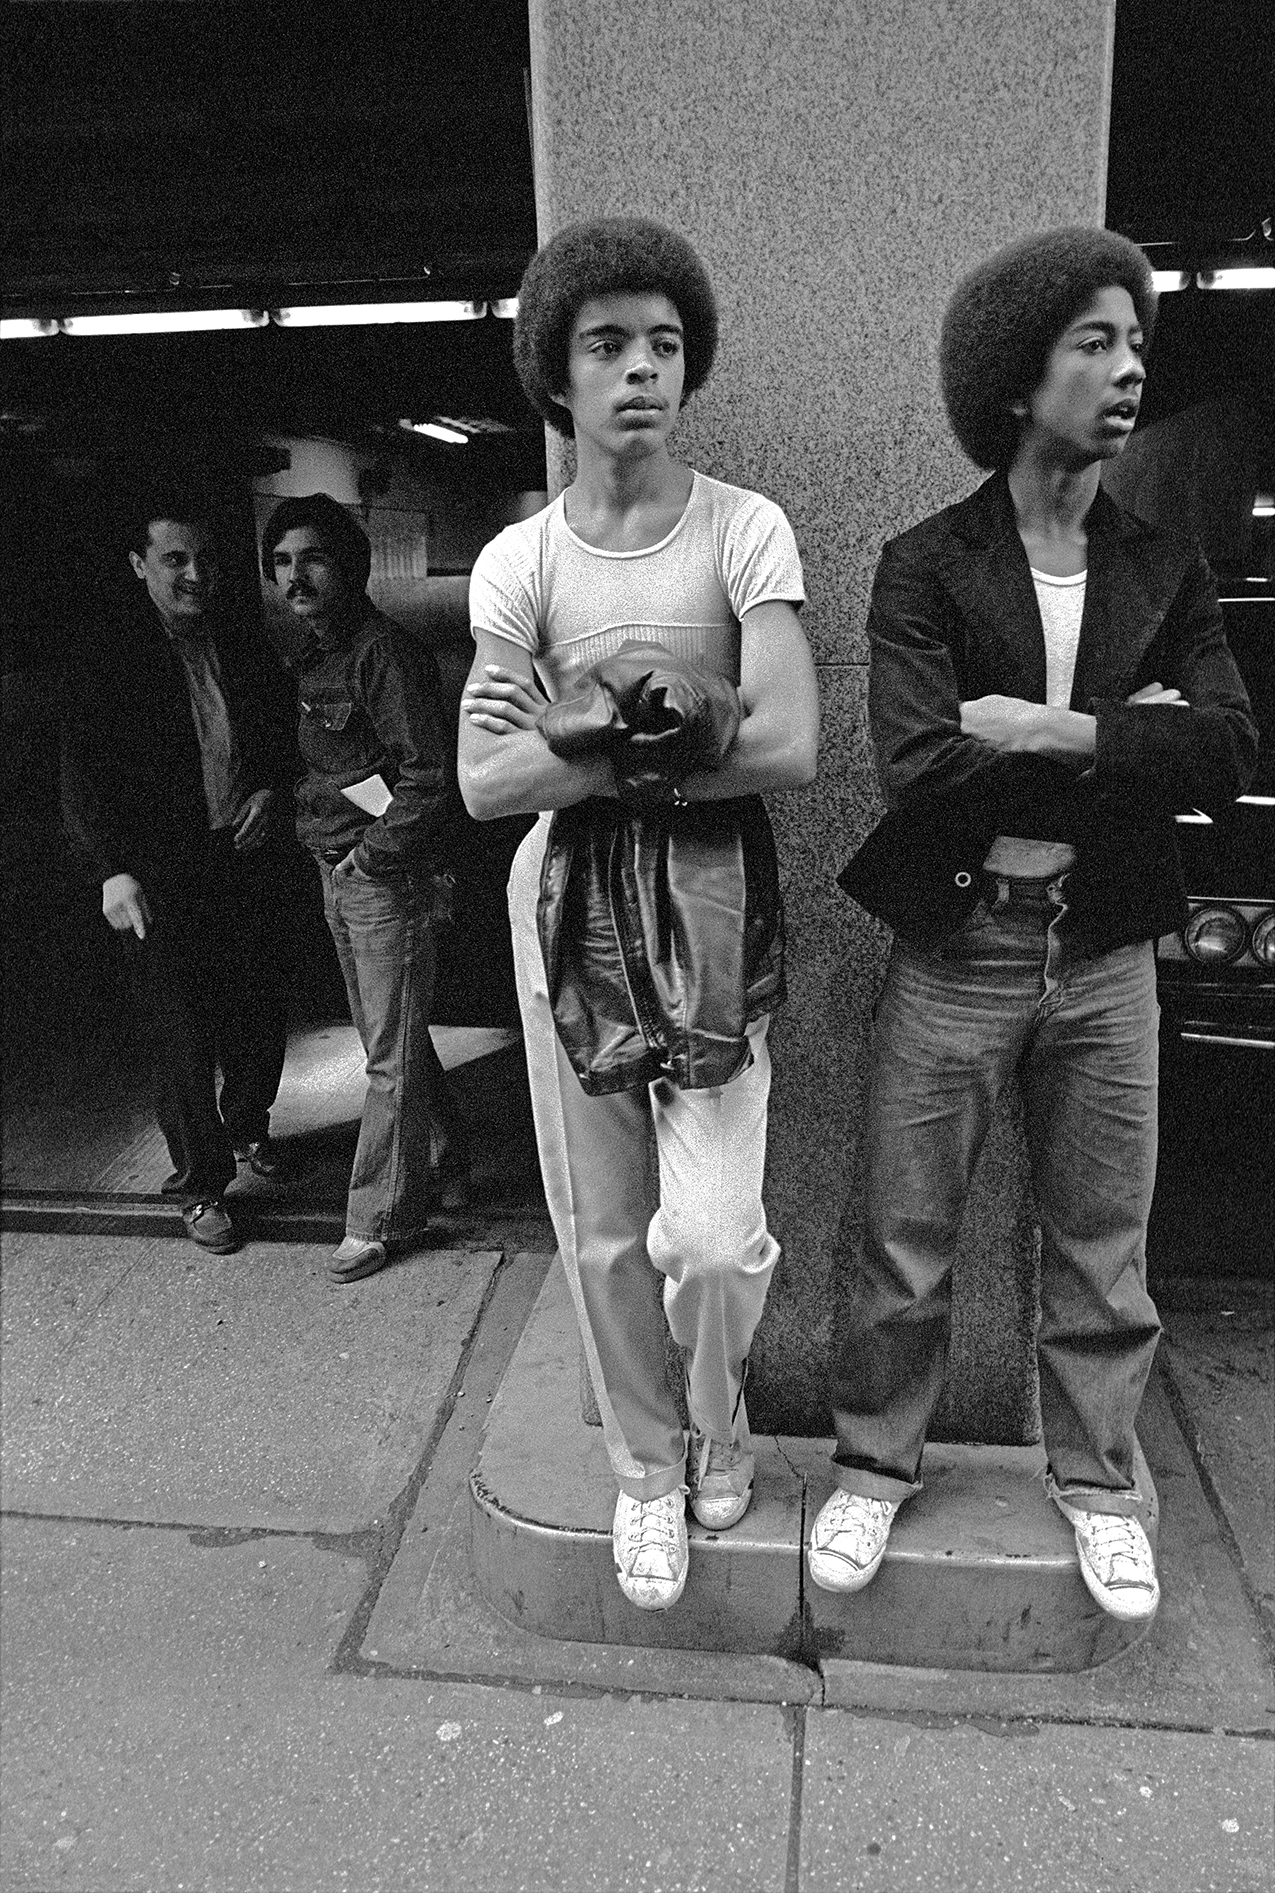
(506, 767)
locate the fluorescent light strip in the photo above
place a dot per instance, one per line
(1257, 801)
(1261, 277)
(506, 308)
(436, 431)
(26, 328)
(1167, 280)
(163, 322)
(355, 314)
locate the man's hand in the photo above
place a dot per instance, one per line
(502, 701)
(1014, 726)
(1156, 693)
(124, 905)
(252, 821)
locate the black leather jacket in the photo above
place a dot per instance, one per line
(662, 935)
(953, 617)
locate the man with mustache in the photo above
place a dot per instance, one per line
(374, 809)
(176, 753)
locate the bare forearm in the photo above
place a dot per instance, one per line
(1066, 735)
(520, 775)
(1015, 727)
(767, 755)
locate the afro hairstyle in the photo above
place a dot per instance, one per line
(607, 256)
(342, 535)
(1006, 315)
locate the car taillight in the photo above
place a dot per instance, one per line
(1215, 935)
(1264, 940)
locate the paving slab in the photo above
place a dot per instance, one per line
(146, 1379)
(174, 1721)
(1219, 1361)
(1018, 1807)
(1203, 1664)
(544, 1500)
(429, 1616)
(981, 1571)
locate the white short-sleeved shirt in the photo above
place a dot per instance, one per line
(572, 605)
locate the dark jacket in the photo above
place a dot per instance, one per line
(370, 705)
(954, 617)
(132, 783)
(662, 936)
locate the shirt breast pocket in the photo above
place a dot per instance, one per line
(331, 713)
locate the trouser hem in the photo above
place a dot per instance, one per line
(1119, 1501)
(875, 1485)
(654, 1485)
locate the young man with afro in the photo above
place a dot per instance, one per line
(1049, 682)
(616, 329)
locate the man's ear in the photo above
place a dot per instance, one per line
(138, 564)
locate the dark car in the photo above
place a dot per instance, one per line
(1217, 976)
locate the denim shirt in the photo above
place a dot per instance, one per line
(370, 704)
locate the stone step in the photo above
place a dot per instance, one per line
(980, 1574)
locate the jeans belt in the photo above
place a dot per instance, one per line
(1006, 890)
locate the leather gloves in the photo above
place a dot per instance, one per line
(658, 717)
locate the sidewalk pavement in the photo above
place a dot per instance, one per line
(242, 1648)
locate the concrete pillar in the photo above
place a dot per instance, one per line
(837, 163)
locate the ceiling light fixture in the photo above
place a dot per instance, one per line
(1167, 280)
(356, 314)
(436, 431)
(1255, 276)
(506, 308)
(163, 321)
(26, 328)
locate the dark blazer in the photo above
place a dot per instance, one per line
(132, 783)
(953, 617)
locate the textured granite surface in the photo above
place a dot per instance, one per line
(837, 168)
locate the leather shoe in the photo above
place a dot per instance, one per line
(208, 1224)
(356, 1258)
(261, 1157)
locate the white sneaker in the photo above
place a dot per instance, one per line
(721, 1481)
(848, 1541)
(1116, 1562)
(651, 1555)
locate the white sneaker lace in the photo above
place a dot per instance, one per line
(856, 1519)
(653, 1532)
(723, 1456)
(1118, 1546)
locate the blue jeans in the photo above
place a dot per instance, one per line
(409, 1134)
(955, 1026)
